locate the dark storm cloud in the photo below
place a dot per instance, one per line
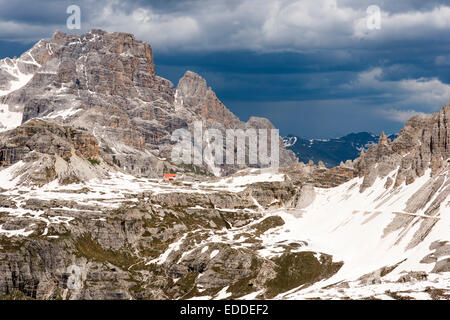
(312, 66)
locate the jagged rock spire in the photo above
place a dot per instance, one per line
(383, 139)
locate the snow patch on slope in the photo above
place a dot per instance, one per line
(12, 119)
(21, 79)
(241, 180)
(15, 233)
(64, 113)
(9, 119)
(9, 177)
(353, 228)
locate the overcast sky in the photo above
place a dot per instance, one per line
(311, 66)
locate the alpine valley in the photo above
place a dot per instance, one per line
(85, 213)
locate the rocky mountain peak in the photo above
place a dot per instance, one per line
(423, 144)
(194, 94)
(192, 84)
(383, 139)
(362, 153)
(105, 83)
(259, 123)
(58, 37)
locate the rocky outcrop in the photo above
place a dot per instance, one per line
(423, 144)
(84, 249)
(50, 151)
(193, 94)
(320, 176)
(46, 138)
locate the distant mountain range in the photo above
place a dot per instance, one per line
(332, 151)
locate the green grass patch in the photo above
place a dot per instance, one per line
(91, 249)
(15, 294)
(94, 162)
(268, 223)
(296, 269)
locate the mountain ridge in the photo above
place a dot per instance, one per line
(106, 83)
(332, 151)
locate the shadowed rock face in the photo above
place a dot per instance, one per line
(106, 84)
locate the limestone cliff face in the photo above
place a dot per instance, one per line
(43, 137)
(197, 102)
(50, 151)
(424, 143)
(107, 63)
(194, 94)
(105, 83)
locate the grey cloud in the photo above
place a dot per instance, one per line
(248, 24)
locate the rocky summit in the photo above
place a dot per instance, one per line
(88, 209)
